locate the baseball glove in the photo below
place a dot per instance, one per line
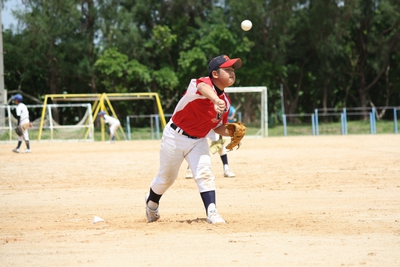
(237, 131)
(19, 131)
(216, 145)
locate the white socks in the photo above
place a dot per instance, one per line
(211, 208)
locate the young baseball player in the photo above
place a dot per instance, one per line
(113, 124)
(203, 107)
(22, 121)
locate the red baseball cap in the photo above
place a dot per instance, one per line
(223, 61)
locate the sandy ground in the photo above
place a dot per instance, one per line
(295, 201)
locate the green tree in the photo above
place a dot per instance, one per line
(325, 53)
(374, 33)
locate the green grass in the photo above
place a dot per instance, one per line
(353, 127)
(334, 128)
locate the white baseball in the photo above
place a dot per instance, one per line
(246, 25)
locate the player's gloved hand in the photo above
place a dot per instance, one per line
(237, 131)
(216, 145)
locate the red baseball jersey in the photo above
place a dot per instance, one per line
(195, 113)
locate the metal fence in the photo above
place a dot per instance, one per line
(343, 116)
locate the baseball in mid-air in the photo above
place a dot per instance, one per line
(246, 25)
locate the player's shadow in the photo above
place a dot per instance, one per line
(197, 220)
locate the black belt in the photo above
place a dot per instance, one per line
(173, 126)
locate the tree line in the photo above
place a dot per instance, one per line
(318, 53)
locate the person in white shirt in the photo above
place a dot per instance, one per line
(217, 145)
(113, 124)
(22, 121)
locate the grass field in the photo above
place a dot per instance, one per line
(354, 127)
(334, 128)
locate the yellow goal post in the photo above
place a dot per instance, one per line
(100, 102)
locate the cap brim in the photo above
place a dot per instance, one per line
(236, 63)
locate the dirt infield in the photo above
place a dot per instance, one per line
(296, 201)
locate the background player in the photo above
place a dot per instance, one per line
(222, 151)
(22, 121)
(113, 124)
(217, 145)
(232, 114)
(203, 107)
